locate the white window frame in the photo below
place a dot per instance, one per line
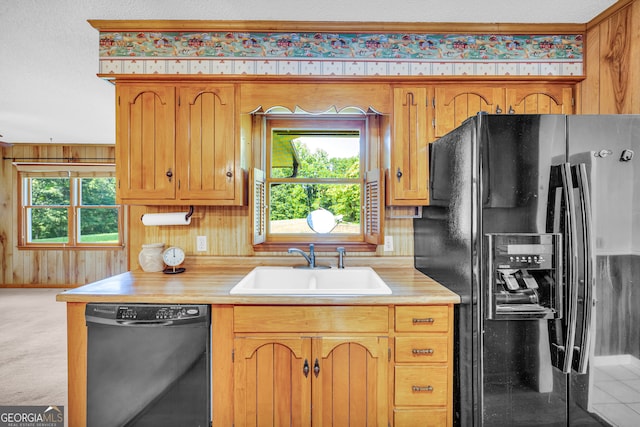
(320, 124)
(371, 194)
(75, 172)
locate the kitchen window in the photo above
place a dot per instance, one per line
(68, 206)
(314, 188)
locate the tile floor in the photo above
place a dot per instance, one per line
(616, 393)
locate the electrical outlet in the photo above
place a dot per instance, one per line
(201, 243)
(388, 243)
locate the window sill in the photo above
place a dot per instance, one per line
(319, 247)
(70, 248)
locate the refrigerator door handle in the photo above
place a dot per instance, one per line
(582, 351)
(571, 266)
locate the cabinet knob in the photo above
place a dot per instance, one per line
(169, 174)
(229, 174)
(316, 368)
(399, 174)
(498, 109)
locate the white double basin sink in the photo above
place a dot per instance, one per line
(308, 281)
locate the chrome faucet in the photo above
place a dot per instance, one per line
(311, 258)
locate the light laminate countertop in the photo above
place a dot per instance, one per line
(211, 285)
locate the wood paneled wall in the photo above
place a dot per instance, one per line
(618, 309)
(612, 86)
(49, 268)
(612, 61)
(228, 232)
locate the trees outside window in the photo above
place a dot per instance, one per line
(314, 164)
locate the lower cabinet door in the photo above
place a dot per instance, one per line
(351, 385)
(272, 382)
(303, 381)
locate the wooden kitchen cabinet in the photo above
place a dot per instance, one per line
(176, 144)
(424, 114)
(325, 366)
(145, 143)
(279, 380)
(423, 368)
(376, 365)
(538, 99)
(453, 104)
(206, 151)
(270, 381)
(456, 103)
(408, 180)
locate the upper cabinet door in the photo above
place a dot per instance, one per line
(145, 139)
(205, 143)
(409, 166)
(454, 104)
(547, 99)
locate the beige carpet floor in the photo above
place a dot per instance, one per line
(33, 340)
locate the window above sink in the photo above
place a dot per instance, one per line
(316, 164)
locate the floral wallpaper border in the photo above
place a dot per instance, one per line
(339, 54)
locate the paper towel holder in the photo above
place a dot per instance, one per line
(186, 216)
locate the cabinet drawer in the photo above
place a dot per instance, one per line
(248, 318)
(421, 385)
(422, 318)
(432, 417)
(422, 348)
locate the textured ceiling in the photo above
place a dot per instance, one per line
(49, 91)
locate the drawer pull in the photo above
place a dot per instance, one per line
(418, 388)
(427, 320)
(421, 351)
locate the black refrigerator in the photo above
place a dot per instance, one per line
(512, 228)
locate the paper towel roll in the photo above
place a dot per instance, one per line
(171, 218)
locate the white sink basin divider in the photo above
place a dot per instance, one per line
(305, 281)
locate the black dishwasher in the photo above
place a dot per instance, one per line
(148, 365)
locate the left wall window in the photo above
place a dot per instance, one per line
(68, 206)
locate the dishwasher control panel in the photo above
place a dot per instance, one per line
(146, 314)
(155, 312)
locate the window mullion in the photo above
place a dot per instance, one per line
(315, 180)
(73, 212)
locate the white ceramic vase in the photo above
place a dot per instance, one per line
(150, 257)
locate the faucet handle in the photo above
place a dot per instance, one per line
(341, 253)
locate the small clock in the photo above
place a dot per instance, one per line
(173, 257)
